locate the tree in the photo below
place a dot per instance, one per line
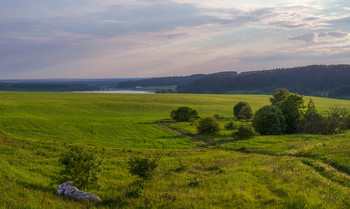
(313, 122)
(292, 108)
(208, 126)
(238, 107)
(184, 114)
(279, 95)
(269, 120)
(245, 113)
(80, 166)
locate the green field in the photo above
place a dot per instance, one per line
(291, 171)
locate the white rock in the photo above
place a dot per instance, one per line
(67, 189)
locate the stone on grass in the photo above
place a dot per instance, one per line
(68, 190)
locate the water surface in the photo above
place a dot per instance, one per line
(118, 92)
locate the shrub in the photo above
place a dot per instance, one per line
(218, 117)
(245, 113)
(143, 167)
(244, 132)
(269, 120)
(313, 122)
(337, 120)
(80, 166)
(208, 126)
(184, 114)
(238, 107)
(230, 125)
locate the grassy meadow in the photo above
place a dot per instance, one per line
(290, 171)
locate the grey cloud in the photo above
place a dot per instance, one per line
(310, 37)
(314, 37)
(337, 34)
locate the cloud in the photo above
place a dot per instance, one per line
(310, 37)
(331, 36)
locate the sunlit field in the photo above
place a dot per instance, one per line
(289, 171)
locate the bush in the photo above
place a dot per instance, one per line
(231, 125)
(208, 126)
(218, 117)
(184, 114)
(245, 113)
(238, 107)
(80, 166)
(143, 167)
(337, 120)
(244, 132)
(269, 120)
(313, 122)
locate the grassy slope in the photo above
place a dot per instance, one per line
(296, 171)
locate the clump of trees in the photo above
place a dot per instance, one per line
(288, 114)
(184, 114)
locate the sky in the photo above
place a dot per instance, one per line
(154, 38)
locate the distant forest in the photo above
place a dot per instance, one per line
(162, 81)
(316, 80)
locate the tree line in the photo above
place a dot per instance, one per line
(316, 80)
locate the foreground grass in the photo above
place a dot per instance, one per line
(191, 178)
(292, 171)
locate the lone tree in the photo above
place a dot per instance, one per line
(279, 95)
(242, 110)
(269, 120)
(208, 126)
(184, 114)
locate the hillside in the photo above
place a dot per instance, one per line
(195, 171)
(317, 80)
(169, 81)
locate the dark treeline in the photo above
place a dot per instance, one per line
(7, 86)
(318, 80)
(61, 84)
(162, 81)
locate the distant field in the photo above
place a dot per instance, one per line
(112, 120)
(290, 171)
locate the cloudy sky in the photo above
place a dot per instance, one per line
(150, 38)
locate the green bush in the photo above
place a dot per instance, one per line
(231, 125)
(313, 122)
(184, 114)
(244, 132)
(143, 167)
(245, 113)
(269, 120)
(337, 119)
(208, 126)
(80, 166)
(238, 107)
